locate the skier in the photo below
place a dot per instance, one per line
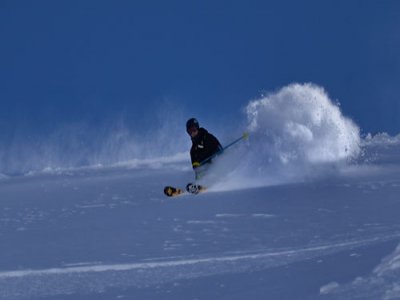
(204, 145)
(204, 148)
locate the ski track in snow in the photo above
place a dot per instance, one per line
(85, 278)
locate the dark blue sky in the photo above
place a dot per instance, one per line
(68, 61)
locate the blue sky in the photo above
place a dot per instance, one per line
(68, 61)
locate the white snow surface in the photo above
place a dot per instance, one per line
(112, 234)
(309, 211)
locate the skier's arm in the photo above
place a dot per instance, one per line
(213, 144)
(194, 159)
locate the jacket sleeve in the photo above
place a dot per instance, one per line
(192, 155)
(215, 145)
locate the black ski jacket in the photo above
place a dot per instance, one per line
(204, 145)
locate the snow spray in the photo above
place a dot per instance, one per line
(296, 133)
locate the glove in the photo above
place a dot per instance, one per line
(195, 165)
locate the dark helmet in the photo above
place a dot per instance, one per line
(192, 123)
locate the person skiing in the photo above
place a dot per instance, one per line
(204, 145)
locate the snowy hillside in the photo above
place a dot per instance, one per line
(114, 235)
(308, 210)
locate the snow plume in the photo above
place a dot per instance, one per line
(114, 142)
(294, 133)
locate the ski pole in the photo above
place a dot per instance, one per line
(245, 136)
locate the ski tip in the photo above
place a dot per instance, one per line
(191, 188)
(168, 191)
(171, 191)
(245, 135)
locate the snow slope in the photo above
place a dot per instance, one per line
(112, 234)
(286, 223)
